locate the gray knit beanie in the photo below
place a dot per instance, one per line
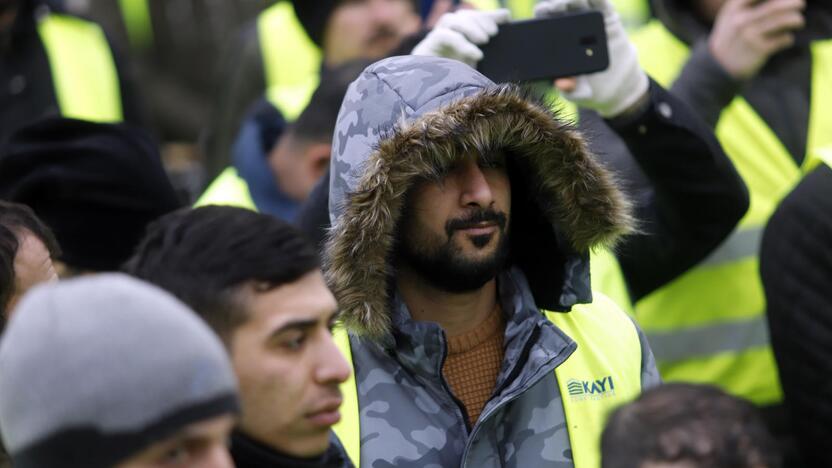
(93, 370)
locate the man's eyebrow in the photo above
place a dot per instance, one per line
(299, 325)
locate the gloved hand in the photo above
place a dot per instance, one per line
(616, 89)
(456, 35)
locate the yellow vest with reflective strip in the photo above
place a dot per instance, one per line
(609, 351)
(83, 71)
(709, 324)
(227, 189)
(291, 60)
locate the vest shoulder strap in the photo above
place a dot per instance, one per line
(347, 429)
(291, 60)
(227, 189)
(603, 372)
(83, 70)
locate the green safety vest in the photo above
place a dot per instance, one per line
(137, 22)
(608, 345)
(634, 13)
(709, 325)
(227, 189)
(292, 62)
(83, 70)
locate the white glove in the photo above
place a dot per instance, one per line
(456, 35)
(616, 89)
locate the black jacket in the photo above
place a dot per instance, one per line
(249, 453)
(693, 199)
(796, 268)
(26, 89)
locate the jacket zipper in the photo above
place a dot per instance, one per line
(554, 362)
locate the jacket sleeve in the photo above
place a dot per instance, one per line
(688, 197)
(650, 376)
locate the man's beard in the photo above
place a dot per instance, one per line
(443, 264)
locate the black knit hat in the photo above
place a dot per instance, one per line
(314, 14)
(96, 185)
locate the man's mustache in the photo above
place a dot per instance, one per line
(382, 34)
(475, 218)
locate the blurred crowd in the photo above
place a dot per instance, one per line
(309, 233)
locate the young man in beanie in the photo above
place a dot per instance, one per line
(95, 185)
(257, 282)
(108, 371)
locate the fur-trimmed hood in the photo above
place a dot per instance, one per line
(407, 118)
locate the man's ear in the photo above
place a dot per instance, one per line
(316, 157)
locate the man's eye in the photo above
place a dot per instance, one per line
(293, 342)
(176, 456)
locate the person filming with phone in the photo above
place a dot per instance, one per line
(688, 195)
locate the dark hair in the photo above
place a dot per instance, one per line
(699, 424)
(206, 256)
(317, 121)
(14, 219)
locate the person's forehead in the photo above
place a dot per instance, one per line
(307, 298)
(31, 248)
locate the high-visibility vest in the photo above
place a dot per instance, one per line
(227, 189)
(83, 70)
(634, 13)
(708, 325)
(608, 348)
(292, 62)
(137, 22)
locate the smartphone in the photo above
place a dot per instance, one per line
(546, 48)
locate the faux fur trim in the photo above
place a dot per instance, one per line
(575, 193)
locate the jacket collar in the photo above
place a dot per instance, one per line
(532, 342)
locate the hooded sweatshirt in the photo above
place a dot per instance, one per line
(408, 118)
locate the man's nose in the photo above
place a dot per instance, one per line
(218, 457)
(474, 186)
(383, 11)
(333, 367)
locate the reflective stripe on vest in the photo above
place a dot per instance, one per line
(824, 155)
(227, 189)
(83, 71)
(291, 61)
(603, 373)
(708, 325)
(136, 16)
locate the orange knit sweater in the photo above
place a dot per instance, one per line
(474, 361)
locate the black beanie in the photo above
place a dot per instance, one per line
(314, 14)
(95, 185)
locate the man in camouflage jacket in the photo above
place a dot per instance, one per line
(411, 126)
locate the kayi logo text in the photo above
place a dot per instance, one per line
(591, 389)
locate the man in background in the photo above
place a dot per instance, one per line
(256, 281)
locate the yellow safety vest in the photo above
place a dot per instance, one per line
(83, 70)
(137, 21)
(227, 189)
(634, 13)
(291, 60)
(709, 324)
(608, 346)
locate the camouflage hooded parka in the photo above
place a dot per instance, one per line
(410, 118)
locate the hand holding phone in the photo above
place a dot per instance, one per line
(546, 48)
(618, 88)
